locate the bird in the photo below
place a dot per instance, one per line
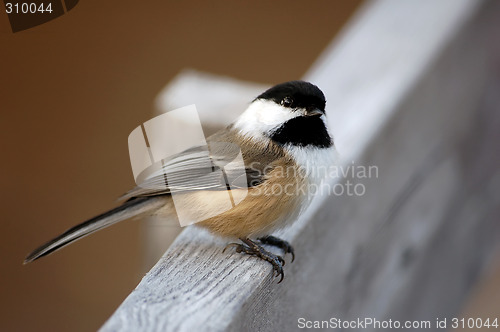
(286, 146)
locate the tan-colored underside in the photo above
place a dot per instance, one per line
(265, 208)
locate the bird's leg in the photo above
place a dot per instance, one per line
(251, 248)
(277, 242)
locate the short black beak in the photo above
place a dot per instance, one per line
(314, 112)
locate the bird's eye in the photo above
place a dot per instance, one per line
(287, 102)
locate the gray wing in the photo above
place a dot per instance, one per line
(216, 166)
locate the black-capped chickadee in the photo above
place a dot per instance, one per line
(284, 141)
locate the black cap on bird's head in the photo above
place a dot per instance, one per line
(290, 114)
(297, 95)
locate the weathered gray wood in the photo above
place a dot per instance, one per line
(411, 88)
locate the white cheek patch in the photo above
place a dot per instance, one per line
(263, 116)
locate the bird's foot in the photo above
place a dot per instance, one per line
(251, 248)
(277, 242)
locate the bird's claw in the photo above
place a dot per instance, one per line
(255, 250)
(232, 245)
(277, 242)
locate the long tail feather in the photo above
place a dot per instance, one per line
(125, 211)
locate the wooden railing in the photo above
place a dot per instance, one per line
(412, 88)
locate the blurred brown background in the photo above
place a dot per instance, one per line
(71, 92)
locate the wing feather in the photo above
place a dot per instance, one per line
(217, 166)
